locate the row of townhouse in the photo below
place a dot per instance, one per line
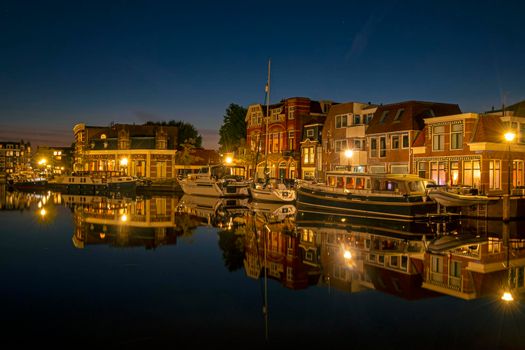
(434, 140)
(14, 156)
(150, 151)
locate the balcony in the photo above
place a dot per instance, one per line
(355, 131)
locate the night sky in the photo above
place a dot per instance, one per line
(67, 62)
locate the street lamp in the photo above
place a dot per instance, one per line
(124, 164)
(348, 154)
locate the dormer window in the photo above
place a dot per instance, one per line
(383, 117)
(310, 133)
(399, 114)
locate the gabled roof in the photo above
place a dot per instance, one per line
(489, 128)
(389, 118)
(420, 139)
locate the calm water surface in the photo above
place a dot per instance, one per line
(80, 274)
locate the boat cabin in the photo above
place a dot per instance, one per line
(392, 183)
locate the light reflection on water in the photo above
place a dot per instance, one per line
(186, 269)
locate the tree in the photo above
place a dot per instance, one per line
(185, 156)
(186, 132)
(233, 128)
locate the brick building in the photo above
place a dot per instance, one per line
(139, 150)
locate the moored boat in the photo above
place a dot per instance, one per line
(94, 183)
(388, 197)
(217, 181)
(459, 197)
(272, 192)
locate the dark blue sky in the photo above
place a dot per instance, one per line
(66, 62)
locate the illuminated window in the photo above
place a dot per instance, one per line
(437, 172)
(454, 173)
(495, 174)
(471, 173)
(517, 173)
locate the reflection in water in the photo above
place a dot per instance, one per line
(299, 249)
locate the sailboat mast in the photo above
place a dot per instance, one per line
(267, 119)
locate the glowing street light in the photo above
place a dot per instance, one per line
(509, 136)
(347, 255)
(348, 154)
(124, 162)
(42, 161)
(507, 297)
(228, 159)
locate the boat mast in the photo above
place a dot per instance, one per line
(267, 121)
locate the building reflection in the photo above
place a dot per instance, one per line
(272, 249)
(354, 256)
(123, 222)
(12, 200)
(300, 249)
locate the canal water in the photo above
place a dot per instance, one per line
(160, 271)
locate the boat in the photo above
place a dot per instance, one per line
(214, 211)
(33, 184)
(101, 182)
(385, 197)
(270, 191)
(217, 181)
(273, 212)
(458, 196)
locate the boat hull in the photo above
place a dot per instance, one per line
(273, 195)
(213, 189)
(383, 207)
(451, 199)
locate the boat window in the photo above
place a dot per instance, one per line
(360, 183)
(331, 181)
(350, 184)
(391, 186)
(416, 186)
(340, 182)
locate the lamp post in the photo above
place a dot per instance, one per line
(348, 154)
(509, 137)
(507, 295)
